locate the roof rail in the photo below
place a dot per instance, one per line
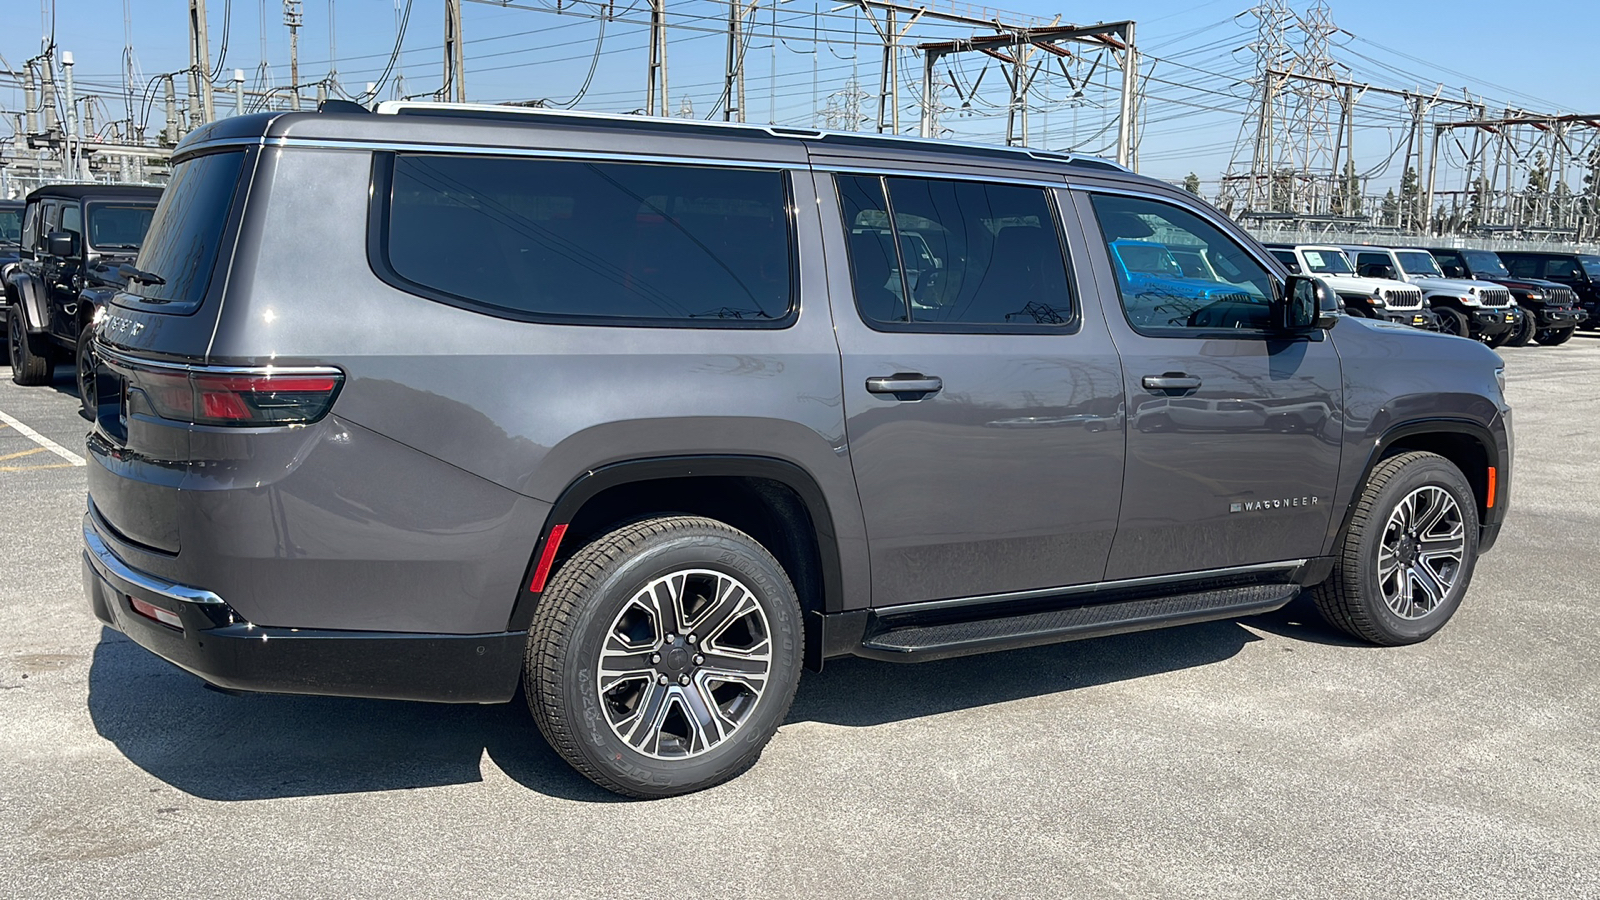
(486, 110)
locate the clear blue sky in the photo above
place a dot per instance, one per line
(1192, 117)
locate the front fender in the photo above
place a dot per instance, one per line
(29, 293)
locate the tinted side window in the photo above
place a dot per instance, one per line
(1560, 269)
(539, 239)
(961, 255)
(1520, 266)
(1288, 258)
(30, 227)
(72, 220)
(1453, 265)
(1157, 296)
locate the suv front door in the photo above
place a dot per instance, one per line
(983, 403)
(1233, 432)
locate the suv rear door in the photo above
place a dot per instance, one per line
(1233, 437)
(984, 416)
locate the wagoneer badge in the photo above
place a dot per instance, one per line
(1285, 503)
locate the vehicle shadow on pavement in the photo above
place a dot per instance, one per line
(261, 746)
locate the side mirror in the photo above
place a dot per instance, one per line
(1307, 304)
(61, 243)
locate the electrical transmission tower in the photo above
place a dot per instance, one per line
(1293, 139)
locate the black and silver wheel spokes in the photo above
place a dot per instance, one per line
(1421, 553)
(684, 663)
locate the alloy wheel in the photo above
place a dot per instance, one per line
(685, 662)
(1421, 552)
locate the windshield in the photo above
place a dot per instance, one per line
(1591, 265)
(114, 227)
(10, 226)
(1328, 262)
(1148, 259)
(1417, 262)
(180, 249)
(1485, 264)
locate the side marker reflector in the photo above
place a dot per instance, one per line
(1490, 504)
(151, 611)
(548, 557)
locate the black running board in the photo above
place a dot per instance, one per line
(910, 640)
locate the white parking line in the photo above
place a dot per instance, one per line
(43, 441)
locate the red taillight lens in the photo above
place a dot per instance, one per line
(209, 398)
(151, 611)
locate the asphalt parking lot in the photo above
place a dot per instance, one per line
(1268, 757)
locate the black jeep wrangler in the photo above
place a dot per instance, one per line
(76, 239)
(1552, 308)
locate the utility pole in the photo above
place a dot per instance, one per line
(174, 129)
(74, 143)
(200, 58)
(238, 92)
(1127, 138)
(733, 75)
(292, 18)
(657, 73)
(455, 76)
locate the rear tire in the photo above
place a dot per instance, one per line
(86, 364)
(1453, 322)
(30, 354)
(1407, 558)
(664, 655)
(1523, 331)
(1553, 337)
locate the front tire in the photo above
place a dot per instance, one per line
(1452, 321)
(1407, 557)
(664, 655)
(1523, 331)
(30, 355)
(1552, 337)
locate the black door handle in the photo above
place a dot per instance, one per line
(905, 385)
(1172, 381)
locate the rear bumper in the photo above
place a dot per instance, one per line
(215, 643)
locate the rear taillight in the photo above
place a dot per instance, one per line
(208, 397)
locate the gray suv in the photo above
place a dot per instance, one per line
(648, 415)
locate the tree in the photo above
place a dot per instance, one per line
(1536, 191)
(1191, 183)
(1480, 191)
(1410, 200)
(1389, 212)
(1352, 190)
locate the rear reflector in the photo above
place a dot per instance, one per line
(1490, 504)
(547, 558)
(203, 397)
(150, 611)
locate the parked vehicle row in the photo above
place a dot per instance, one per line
(647, 415)
(76, 246)
(1468, 293)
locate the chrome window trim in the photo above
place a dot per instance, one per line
(115, 356)
(534, 152)
(1287, 565)
(939, 174)
(108, 565)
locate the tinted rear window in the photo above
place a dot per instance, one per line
(587, 241)
(186, 231)
(10, 226)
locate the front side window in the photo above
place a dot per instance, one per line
(116, 227)
(930, 254)
(72, 220)
(1591, 265)
(30, 226)
(591, 241)
(1486, 264)
(1143, 237)
(10, 226)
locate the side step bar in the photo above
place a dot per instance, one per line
(914, 640)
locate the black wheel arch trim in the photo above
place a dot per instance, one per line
(591, 483)
(1490, 518)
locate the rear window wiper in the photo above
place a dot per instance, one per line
(136, 274)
